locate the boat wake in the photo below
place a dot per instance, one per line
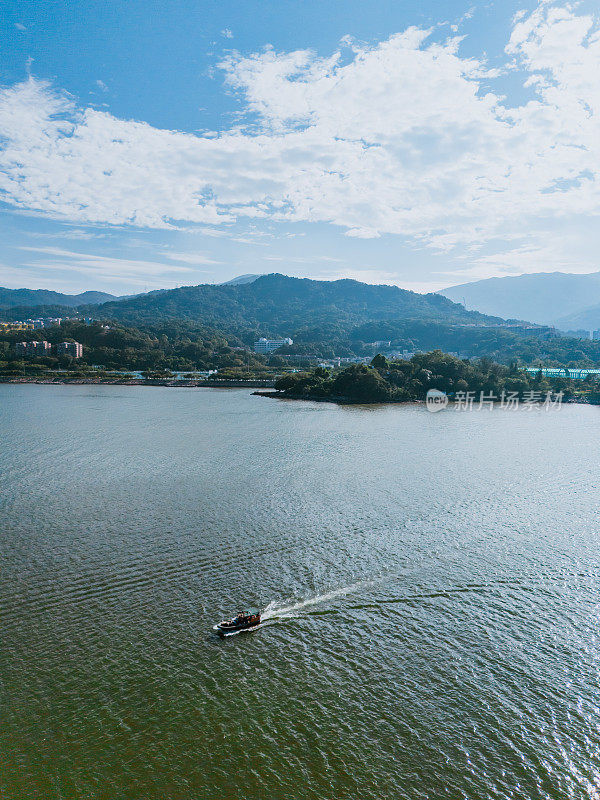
(277, 609)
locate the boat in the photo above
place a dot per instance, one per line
(243, 621)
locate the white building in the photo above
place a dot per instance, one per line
(44, 322)
(33, 348)
(69, 349)
(268, 345)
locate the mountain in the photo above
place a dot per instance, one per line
(325, 318)
(11, 298)
(279, 305)
(241, 279)
(588, 319)
(547, 298)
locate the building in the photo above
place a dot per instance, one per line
(331, 363)
(73, 349)
(380, 345)
(44, 322)
(268, 345)
(15, 326)
(356, 360)
(595, 335)
(33, 348)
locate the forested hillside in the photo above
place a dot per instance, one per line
(32, 298)
(277, 304)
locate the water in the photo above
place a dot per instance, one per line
(430, 585)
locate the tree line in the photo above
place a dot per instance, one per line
(403, 381)
(169, 346)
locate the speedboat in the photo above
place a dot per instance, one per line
(243, 621)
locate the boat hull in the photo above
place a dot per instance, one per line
(225, 629)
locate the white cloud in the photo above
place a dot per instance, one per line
(197, 259)
(20, 277)
(406, 138)
(73, 234)
(227, 33)
(132, 272)
(559, 252)
(363, 233)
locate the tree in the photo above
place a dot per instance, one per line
(287, 383)
(358, 382)
(380, 363)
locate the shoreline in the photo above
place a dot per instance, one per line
(265, 385)
(174, 383)
(348, 401)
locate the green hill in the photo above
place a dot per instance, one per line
(280, 305)
(30, 298)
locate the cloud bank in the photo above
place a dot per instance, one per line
(405, 137)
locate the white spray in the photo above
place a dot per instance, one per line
(277, 609)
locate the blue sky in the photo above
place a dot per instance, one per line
(156, 144)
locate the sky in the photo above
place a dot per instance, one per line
(152, 144)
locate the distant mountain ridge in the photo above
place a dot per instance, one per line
(280, 304)
(567, 301)
(13, 298)
(241, 279)
(588, 320)
(326, 318)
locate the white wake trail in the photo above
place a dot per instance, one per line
(276, 609)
